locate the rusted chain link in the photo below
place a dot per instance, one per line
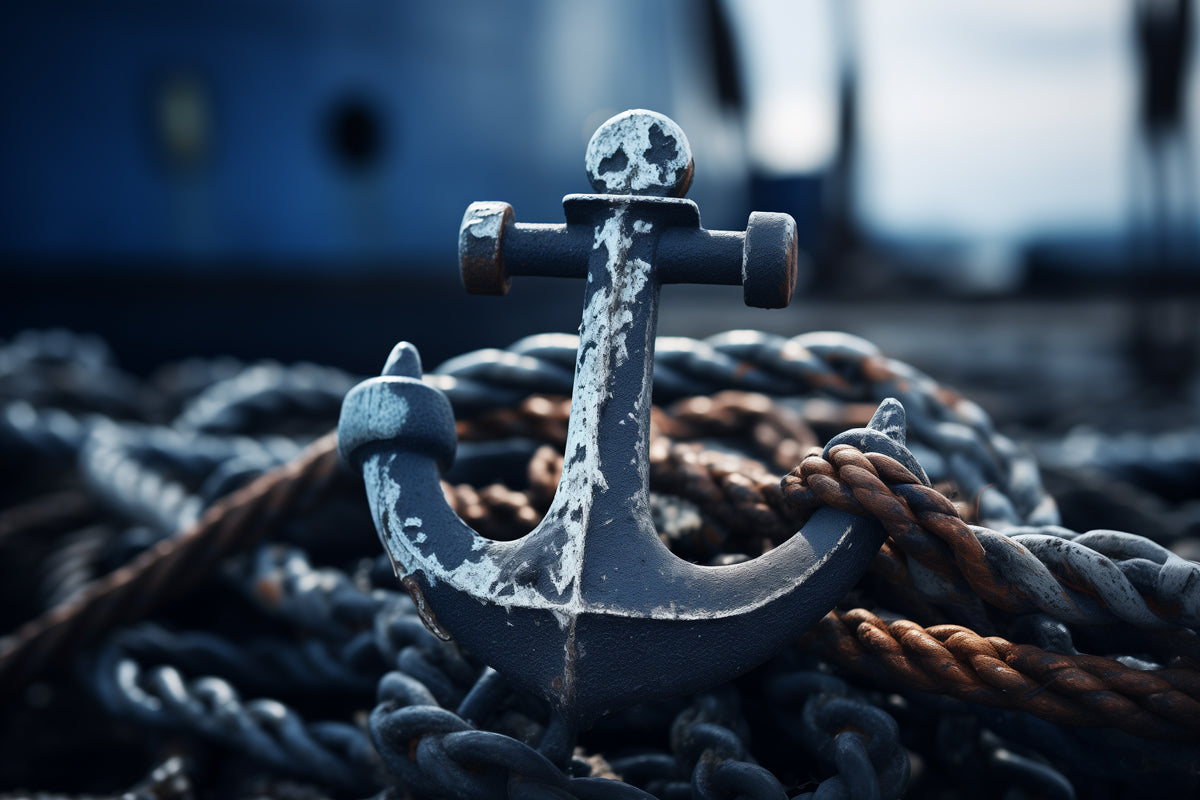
(169, 568)
(1087, 691)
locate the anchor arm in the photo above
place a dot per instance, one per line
(399, 432)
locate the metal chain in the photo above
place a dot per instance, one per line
(267, 730)
(264, 663)
(856, 738)
(444, 726)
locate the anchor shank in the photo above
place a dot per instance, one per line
(604, 487)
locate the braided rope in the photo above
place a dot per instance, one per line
(169, 568)
(1081, 690)
(776, 431)
(739, 498)
(933, 552)
(124, 465)
(955, 437)
(1018, 573)
(234, 403)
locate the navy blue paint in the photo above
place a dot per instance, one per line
(454, 87)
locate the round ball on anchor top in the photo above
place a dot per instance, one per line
(640, 152)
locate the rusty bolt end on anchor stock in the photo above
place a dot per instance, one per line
(591, 611)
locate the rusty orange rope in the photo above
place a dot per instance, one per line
(776, 431)
(1081, 690)
(863, 484)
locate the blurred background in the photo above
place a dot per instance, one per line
(1004, 194)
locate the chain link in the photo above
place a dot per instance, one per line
(1015, 612)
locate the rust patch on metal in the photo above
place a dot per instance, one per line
(423, 610)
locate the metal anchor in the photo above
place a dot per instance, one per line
(591, 611)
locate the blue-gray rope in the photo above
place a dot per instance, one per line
(952, 437)
(443, 726)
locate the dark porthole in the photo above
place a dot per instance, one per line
(354, 134)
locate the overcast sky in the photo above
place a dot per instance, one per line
(987, 119)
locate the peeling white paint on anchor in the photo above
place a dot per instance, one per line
(603, 347)
(484, 577)
(608, 320)
(487, 221)
(620, 152)
(627, 286)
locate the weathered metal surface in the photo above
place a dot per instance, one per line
(644, 163)
(590, 610)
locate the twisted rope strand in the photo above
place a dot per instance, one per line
(170, 567)
(957, 437)
(1076, 585)
(953, 564)
(1085, 691)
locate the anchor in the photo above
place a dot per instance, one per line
(591, 611)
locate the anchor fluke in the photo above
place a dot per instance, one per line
(399, 409)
